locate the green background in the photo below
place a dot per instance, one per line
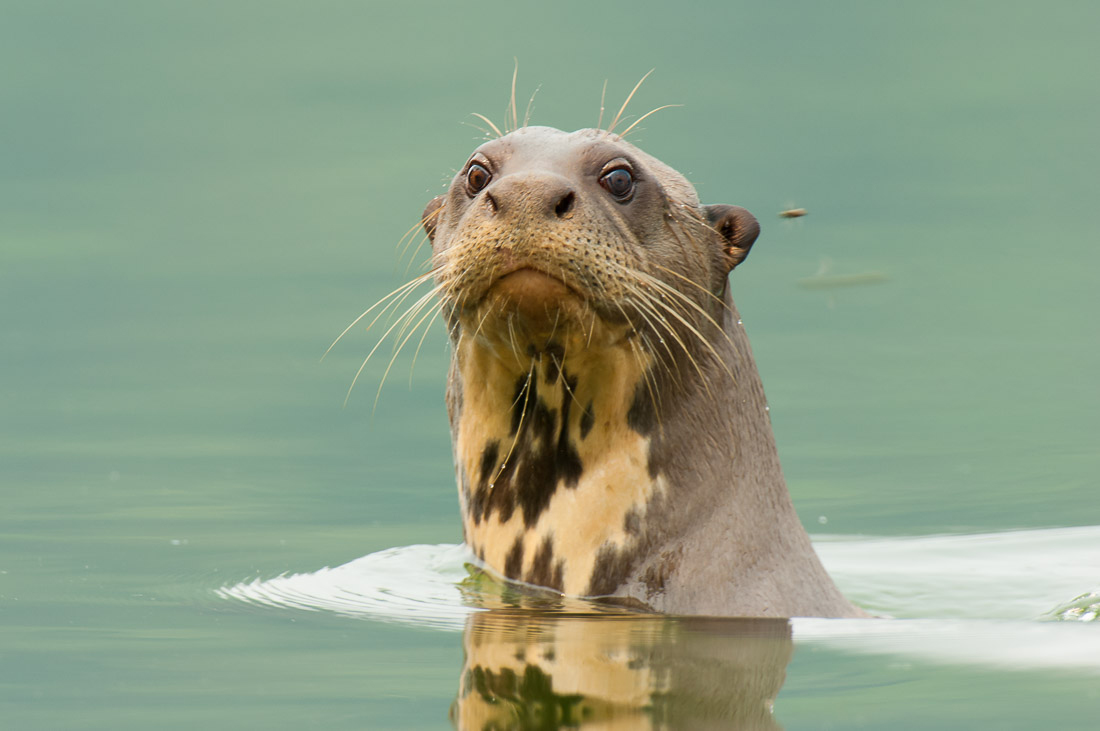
(196, 198)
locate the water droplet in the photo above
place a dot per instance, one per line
(739, 321)
(767, 408)
(822, 519)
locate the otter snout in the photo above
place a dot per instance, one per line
(531, 198)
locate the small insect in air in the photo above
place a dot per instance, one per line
(793, 213)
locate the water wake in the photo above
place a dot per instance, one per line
(971, 599)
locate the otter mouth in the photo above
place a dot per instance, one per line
(536, 304)
(527, 309)
(531, 289)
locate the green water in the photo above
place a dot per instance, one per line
(196, 198)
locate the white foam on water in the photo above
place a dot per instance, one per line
(972, 599)
(1010, 575)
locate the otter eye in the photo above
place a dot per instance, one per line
(619, 183)
(477, 177)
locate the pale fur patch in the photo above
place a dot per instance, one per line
(615, 480)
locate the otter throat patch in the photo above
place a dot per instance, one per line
(553, 462)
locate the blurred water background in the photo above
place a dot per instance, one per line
(195, 199)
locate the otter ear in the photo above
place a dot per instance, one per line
(430, 215)
(738, 229)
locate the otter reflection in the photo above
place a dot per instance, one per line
(529, 669)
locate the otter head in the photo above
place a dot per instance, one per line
(584, 287)
(558, 233)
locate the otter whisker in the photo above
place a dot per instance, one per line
(382, 340)
(519, 427)
(449, 278)
(693, 283)
(407, 317)
(424, 263)
(564, 381)
(410, 235)
(615, 121)
(665, 362)
(640, 119)
(527, 112)
(512, 338)
(407, 235)
(416, 353)
(419, 240)
(413, 247)
(394, 304)
(650, 303)
(407, 286)
(554, 327)
(603, 95)
(512, 104)
(523, 392)
(489, 122)
(413, 311)
(692, 328)
(647, 302)
(456, 344)
(680, 296)
(641, 310)
(397, 351)
(484, 317)
(485, 134)
(694, 331)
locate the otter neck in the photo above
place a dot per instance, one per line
(550, 468)
(573, 462)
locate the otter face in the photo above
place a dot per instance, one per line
(564, 232)
(577, 274)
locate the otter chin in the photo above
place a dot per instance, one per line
(611, 436)
(536, 301)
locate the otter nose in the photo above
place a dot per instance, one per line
(535, 195)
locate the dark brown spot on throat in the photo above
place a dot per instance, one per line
(513, 564)
(542, 458)
(543, 570)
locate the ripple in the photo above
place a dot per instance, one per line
(415, 585)
(971, 599)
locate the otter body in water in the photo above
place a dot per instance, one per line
(610, 431)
